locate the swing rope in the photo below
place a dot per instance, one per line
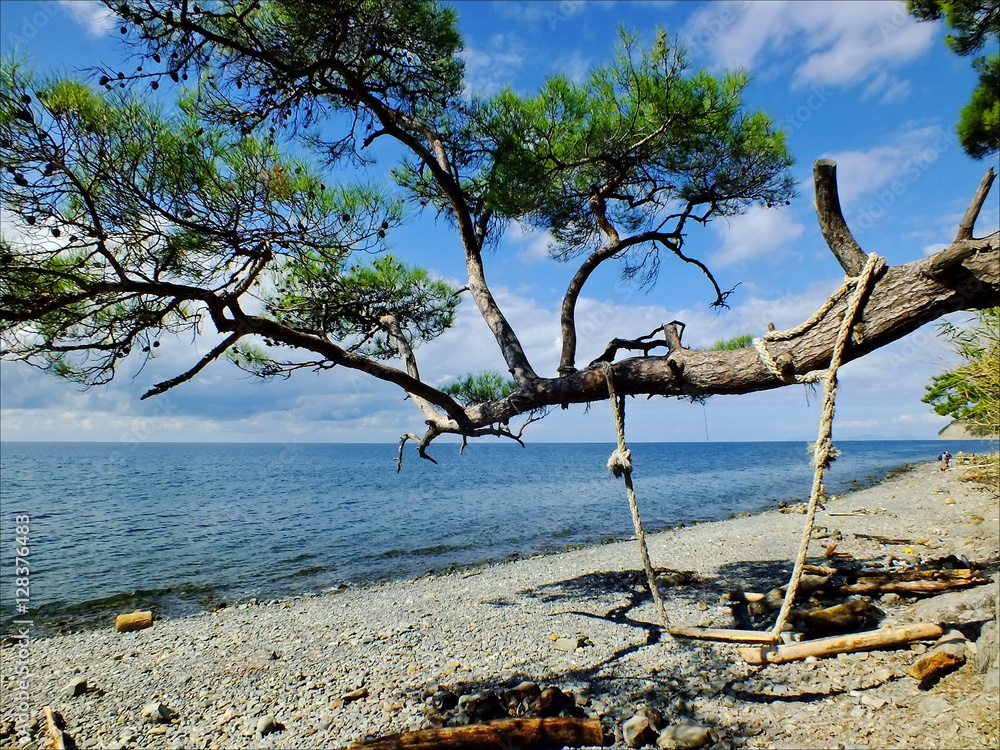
(620, 465)
(620, 462)
(823, 449)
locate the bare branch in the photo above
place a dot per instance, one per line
(166, 385)
(958, 252)
(831, 219)
(968, 222)
(422, 443)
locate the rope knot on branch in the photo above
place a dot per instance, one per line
(858, 287)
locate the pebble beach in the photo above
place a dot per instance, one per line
(326, 670)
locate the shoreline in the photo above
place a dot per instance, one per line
(190, 599)
(296, 659)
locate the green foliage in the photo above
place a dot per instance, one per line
(317, 293)
(105, 188)
(294, 64)
(254, 360)
(480, 387)
(127, 221)
(974, 24)
(738, 342)
(625, 145)
(979, 124)
(971, 392)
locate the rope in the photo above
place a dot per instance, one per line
(873, 265)
(620, 465)
(823, 451)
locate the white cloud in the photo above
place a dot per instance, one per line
(532, 245)
(887, 88)
(835, 42)
(758, 234)
(93, 15)
(488, 70)
(574, 66)
(894, 165)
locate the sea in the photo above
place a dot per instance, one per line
(182, 527)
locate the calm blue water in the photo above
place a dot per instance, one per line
(188, 524)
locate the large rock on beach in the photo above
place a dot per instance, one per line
(638, 731)
(975, 603)
(267, 725)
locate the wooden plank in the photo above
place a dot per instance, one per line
(867, 641)
(528, 734)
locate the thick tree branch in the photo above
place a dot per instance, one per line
(395, 332)
(956, 253)
(567, 319)
(567, 314)
(831, 219)
(903, 299)
(433, 154)
(274, 330)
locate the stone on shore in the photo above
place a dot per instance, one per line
(686, 735)
(158, 713)
(268, 724)
(76, 686)
(638, 731)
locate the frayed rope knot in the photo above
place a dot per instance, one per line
(824, 453)
(620, 462)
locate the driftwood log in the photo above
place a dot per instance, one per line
(867, 641)
(898, 582)
(912, 582)
(527, 734)
(850, 615)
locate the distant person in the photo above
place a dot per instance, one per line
(945, 461)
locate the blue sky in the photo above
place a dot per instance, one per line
(859, 82)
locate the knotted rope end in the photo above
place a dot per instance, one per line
(620, 462)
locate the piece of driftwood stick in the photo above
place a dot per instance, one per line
(58, 739)
(820, 570)
(746, 596)
(867, 641)
(554, 732)
(724, 634)
(948, 652)
(908, 587)
(134, 621)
